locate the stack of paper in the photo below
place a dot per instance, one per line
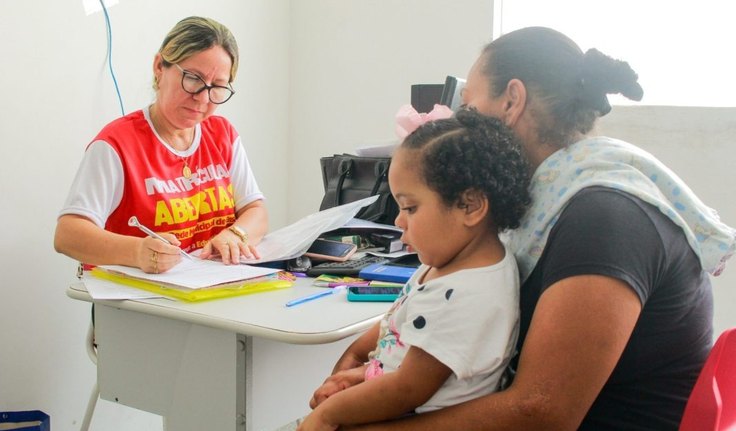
(198, 280)
(293, 240)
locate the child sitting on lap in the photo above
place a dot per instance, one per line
(451, 333)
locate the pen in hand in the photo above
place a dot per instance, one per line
(314, 296)
(133, 221)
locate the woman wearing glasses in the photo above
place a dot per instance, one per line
(181, 170)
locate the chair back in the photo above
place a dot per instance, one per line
(712, 403)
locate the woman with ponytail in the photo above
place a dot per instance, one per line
(614, 255)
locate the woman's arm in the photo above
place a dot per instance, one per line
(388, 396)
(579, 329)
(80, 239)
(252, 219)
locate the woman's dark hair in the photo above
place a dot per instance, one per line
(473, 152)
(570, 86)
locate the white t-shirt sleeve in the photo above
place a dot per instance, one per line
(98, 186)
(467, 323)
(245, 186)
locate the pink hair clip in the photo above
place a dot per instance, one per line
(408, 119)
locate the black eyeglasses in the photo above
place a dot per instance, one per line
(193, 84)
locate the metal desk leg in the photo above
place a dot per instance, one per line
(244, 389)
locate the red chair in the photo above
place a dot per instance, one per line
(712, 403)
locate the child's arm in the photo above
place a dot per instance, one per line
(357, 353)
(350, 369)
(337, 382)
(388, 396)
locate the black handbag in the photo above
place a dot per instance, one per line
(348, 178)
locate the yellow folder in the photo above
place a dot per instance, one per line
(274, 281)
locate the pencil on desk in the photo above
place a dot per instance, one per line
(314, 296)
(348, 284)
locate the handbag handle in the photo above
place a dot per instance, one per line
(343, 169)
(380, 169)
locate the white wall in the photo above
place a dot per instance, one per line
(352, 66)
(57, 93)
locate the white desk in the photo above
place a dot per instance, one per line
(230, 364)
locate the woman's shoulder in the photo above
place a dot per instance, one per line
(604, 212)
(217, 126)
(217, 122)
(128, 119)
(122, 129)
(606, 203)
(599, 216)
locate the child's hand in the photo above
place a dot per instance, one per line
(315, 422)
(336, 383)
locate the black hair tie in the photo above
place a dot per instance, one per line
(594, 96)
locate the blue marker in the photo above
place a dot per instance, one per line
(313, 296)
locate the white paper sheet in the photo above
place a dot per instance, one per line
(103, 289)
(357, 223)
(197, 273)
(293, 240)
(383, 149)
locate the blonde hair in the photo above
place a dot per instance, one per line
(195, 34)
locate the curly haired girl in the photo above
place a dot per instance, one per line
(451, 333)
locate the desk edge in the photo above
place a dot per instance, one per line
(77, 291)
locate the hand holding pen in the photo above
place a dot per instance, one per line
(157, 254)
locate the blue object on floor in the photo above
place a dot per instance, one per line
(32, 420)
